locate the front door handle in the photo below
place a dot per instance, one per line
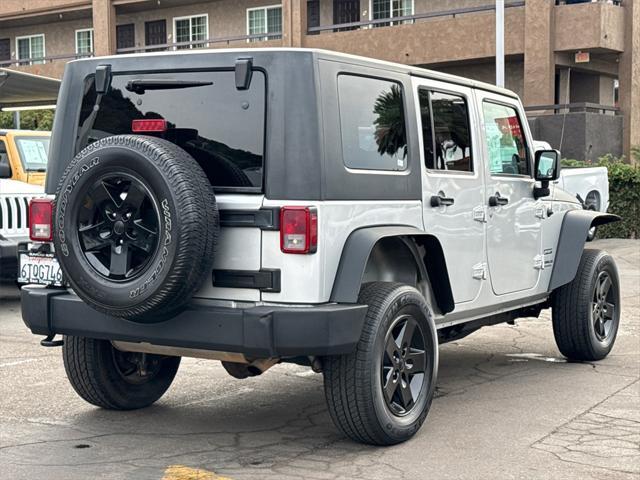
(496, 200)
(440, 200)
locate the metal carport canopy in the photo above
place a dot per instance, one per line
(20, 89)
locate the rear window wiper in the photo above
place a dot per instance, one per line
(140, 86)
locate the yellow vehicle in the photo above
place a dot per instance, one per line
(23, 155)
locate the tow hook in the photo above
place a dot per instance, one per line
(50, 342)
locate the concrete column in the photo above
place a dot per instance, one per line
(539, 59)
(564, 86)
(629, 76)
(294, 22)
(104, 28)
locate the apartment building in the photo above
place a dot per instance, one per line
(575, 63)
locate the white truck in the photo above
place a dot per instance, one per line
(589, 184)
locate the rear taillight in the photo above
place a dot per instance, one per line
(149, 125)
(41, 220)
(298, 230)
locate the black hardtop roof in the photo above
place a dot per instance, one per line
(315, 54)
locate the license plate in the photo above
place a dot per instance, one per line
(40, 268)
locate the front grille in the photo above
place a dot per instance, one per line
(14, 215)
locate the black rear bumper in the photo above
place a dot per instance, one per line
(263, 331)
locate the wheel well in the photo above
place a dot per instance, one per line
(417, 261)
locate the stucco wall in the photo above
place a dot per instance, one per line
(8, 7)
(438, 40)
(486, 72)
(606, 27)
(59, 37)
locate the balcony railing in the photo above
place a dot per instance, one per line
(409, 18)
(25, 62)
(216, 42)
(577, 107)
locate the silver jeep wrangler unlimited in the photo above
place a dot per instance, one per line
(263, 206)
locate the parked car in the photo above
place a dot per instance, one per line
(287, 205)
(589, 184)
(14, 223)
(23, 155)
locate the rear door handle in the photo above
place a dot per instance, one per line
(496, 200)
(440, 200)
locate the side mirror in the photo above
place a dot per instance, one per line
(547, 168)
(5, 168)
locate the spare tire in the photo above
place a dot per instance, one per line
(135, 227)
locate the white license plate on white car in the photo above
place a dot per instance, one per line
(39, 268)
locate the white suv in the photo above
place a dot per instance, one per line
(278, 205)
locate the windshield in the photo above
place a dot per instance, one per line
(219, 125)
(33, 153)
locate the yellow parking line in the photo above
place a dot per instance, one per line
(180, 472)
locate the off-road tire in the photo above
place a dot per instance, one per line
(572, 309)
(351, 382)
(93, 373)
(188, 227)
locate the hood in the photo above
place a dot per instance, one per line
(560, 195)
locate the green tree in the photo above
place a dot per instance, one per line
(29, 119)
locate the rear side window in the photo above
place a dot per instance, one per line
(372, 123)
(445, 131)
(220, 126)
(505, 140)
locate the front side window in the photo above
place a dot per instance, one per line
(84, 41)
(204, 113)
(445, 131)
(372, 123)
(505, 140)
(264, 20)
(33, 152)
(31, 47)
(381, 9)
(191, 29)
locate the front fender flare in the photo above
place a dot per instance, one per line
(573, 235)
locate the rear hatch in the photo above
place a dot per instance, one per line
(219, 123)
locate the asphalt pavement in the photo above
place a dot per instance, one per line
(508, 406)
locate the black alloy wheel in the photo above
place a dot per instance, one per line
(403, 365)
(118, 226)
(603, 307)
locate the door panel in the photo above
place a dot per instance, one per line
(5, 49)
(155, 33)
(514, 220)
(346, 11)
(453, 189)
(126, 36)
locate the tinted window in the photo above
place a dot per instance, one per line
(445, 131)
(220, 126)
(33, 152)
(505, 140)
(372, 123)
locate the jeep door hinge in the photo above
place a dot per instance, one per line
(480, 213)
(538, 262)
(480, 271)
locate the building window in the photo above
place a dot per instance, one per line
(30, 47)
(381, 9)
(84, 41)
(191, 29)
(264, 20)
(372, 123)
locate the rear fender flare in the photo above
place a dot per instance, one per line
(573, 235)
(359, 246)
